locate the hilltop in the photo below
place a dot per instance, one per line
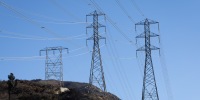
(49, 90)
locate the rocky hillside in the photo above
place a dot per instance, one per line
(49, 90)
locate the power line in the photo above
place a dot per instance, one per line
(36, 58)
(137, 8)
(119, 65)
(125, 12)
(165, 73)
(112, 22)
(65, 10)
(30, 20)
(45, 17)
(43, 57)
(52, 20)
(63, 23)
(110, 79)
(41, 39)
(119, 75)
(26, 18)
(30, 37)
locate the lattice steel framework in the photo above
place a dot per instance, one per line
(53, 63)
(149, 91)
(96, 70)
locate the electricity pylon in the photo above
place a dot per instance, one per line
(96, 70)
(149, 91)
(53, 63)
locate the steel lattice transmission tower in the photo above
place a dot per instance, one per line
(96, 70)
(53, 63)
(149, 91)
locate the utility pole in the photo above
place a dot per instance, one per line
(96, 70)
(149, 91)
(53, 63)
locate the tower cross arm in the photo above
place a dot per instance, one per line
(141, 22)
(147, 21)
(40, 52)
(152, 21)
(151, 48)
(141, 48)
(53, 49)
(99, 37)
(95, 13)
(142, 35)
(90, 38)
(154, 47)
(66, 49)
(92, 25)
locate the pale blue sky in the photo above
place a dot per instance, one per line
(20, 40)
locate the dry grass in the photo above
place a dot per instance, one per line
(45, 90)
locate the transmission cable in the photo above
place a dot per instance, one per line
(137, 8)
(112, 22)
(119, 64)
(30, 37)
(125, 12)
(65, 10)
(165, 72)
(30, 20)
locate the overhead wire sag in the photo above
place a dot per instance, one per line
(31, 21)
(165, 72)
(65, 10)
(112, 22)
(29, 37)
(137, 8)
(119, 64)
(124, 10)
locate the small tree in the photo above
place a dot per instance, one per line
(12, 83)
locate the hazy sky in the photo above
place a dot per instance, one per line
(27, 26)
